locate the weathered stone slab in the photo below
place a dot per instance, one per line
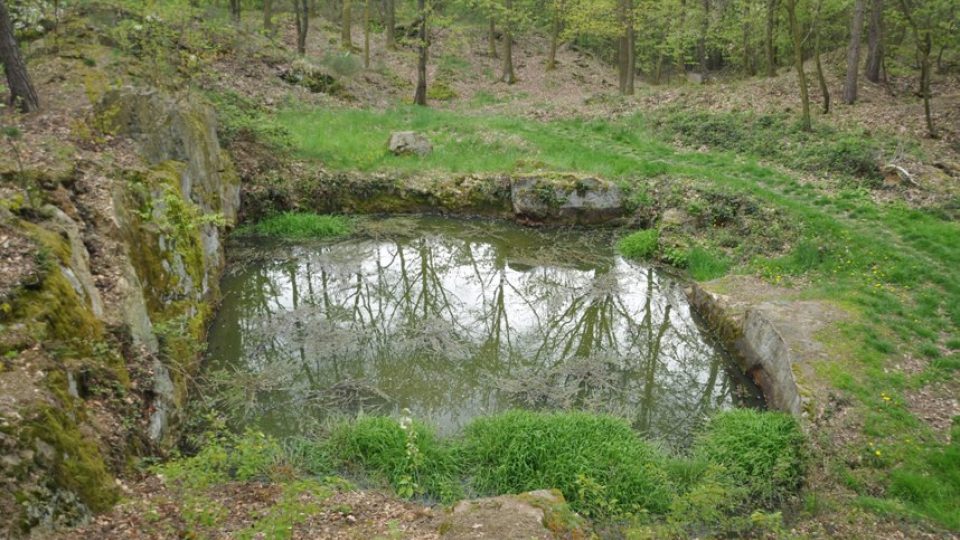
(773, 335)
(566, 199)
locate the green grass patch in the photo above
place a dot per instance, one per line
(407, 454)
(639, 245)
(299, 226)
(762, 452)
(704, 264)
(933, 495)
(599, 463)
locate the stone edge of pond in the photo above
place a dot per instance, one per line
(772, 334)
(538, 199)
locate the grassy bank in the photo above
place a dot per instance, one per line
(743, 462)
(894, 268)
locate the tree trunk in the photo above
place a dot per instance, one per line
(492, 39)
(748, 68)
(924, 42)
(658, 69)
(554, 42)
(925, 49)
(22, 94)
(824, 90)
(626, 56)
(301, 9)
(391, 24)
(681, 63)
(366, 34)
(805, 123)
(874, 43)
(268, 16)
(631, 49)
(507, 75)
(346, 40)
(702, 42)
(853, 54)
(420, 96)
(772, 6)
(235, 10)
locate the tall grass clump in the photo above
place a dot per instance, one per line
(602, 467)
(639, 245)
(704, 265)
(405, 453)
(763, 452)
(300, 225)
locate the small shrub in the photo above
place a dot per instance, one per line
(761, 451)
(227, 457)
(675, 256)
(598, 462)
(639, 245)
(300, 226)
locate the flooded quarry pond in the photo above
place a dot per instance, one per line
(456, 319)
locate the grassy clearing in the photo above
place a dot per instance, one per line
(604, 468)
(898, 268)
(300, 226)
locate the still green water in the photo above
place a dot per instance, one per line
(455, 319)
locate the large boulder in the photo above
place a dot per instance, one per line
(409, 143)
(566, 199)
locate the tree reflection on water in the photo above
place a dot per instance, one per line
(454, 321)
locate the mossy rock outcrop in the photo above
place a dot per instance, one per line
(106, 307)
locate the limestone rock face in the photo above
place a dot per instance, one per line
(107, 288)
(409, 143)
(175, 250)
(184, 131)
(566, 199)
